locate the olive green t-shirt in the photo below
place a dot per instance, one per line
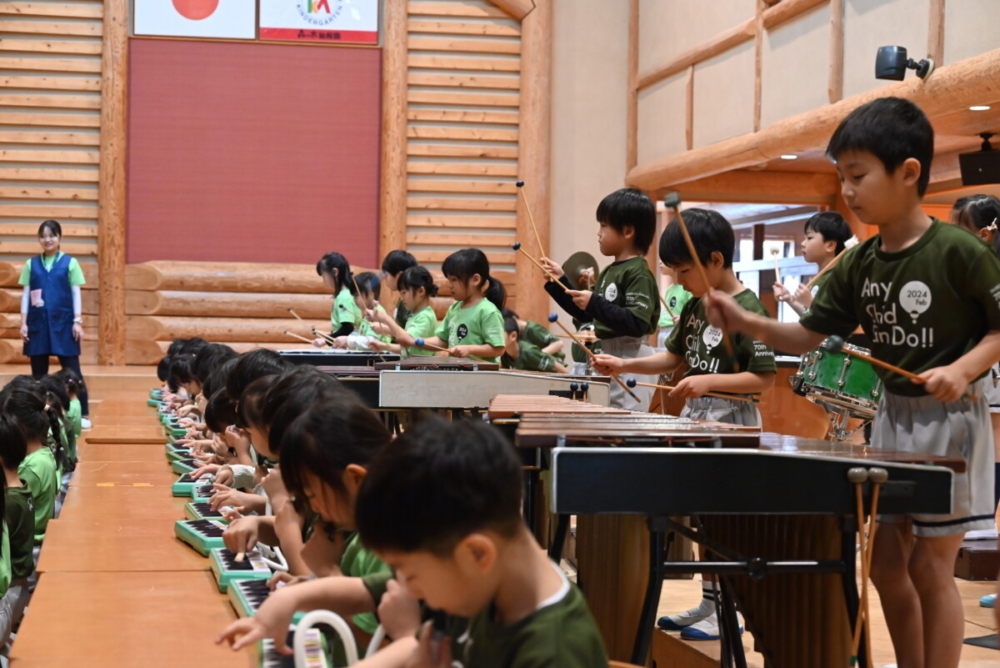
(539, 336)
(421, 325)
(474, 326)
(5, 568)
(19, 513)
(629, 284)
(345, 310)
(530, 358)
(561, 632)
(922, 307)
(38, 471)
(402, 314)
(358, 562)
(676, 297)
(703, 346)
(75, 271)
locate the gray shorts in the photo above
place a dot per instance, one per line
(718, 409)
(956, 429)
(629, 347)
(992, 391)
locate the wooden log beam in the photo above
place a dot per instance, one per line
(777, 187)
(10, 272)
(970, 81)
(227, 304)
(517, 9)
(227, 277)
(935, 32)
(744, 32)
(392, 203)
(534, 154)
(835, 85)
(10, 300)
(111, 186)
(165, 328)
(632, 101)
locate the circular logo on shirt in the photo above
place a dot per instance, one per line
(462, 332)
(611, 292)
(915, 298)
(712, 336)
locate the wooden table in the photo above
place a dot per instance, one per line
(122, 502)
(125, 620)
(114, 452)
(124, 473)
(112, 545)
(145, 431)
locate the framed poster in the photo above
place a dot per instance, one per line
(332, 21)
(228, 19)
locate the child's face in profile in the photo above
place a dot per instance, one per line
(258, 438)
(690, 279)
(455, 584)
(611, 241)
(873, 195)
(329, 281)
(326, 502)
(367, 300)
(510, 343)
(814, 247)
(411, 298)
(460, 291)
(391, 280)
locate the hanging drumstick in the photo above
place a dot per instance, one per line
(292, 311)
(326, 337)
(632, 382)
(775, 252)
(673, 201)
(300, 338)
(555, 318)
(519, 248)
(531, 218)
(848, 245)
(420, 343)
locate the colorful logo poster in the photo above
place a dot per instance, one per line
(230, 19)
(334, 21)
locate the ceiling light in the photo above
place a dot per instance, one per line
(790, 156)
(980, 107)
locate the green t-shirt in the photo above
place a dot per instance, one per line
(367, 329)
(474, 326)
(629, 284)
(75, 272)
(402, 314)
(703, 345)
(5, 569)
(358, 562)
(922, 307)
(537, 335)
(74, 426)
(345, 310)
(19, 514)
(38, 471)
(530, 358)
(421, 325)
(675, 297)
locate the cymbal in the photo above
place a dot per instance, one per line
(576, 263)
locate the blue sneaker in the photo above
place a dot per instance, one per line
(707, 629)
(685, 619)
(988, 601)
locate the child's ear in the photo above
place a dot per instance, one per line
(353, 476)
(716, 259)
(628, 231)
(986, 234)
(477, 552)
(830, 246)
(911, 170)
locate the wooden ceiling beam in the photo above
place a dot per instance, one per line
(517, 9)
(762, 187)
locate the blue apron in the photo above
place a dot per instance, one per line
(50, 326)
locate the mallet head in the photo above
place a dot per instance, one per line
(517, 245)
(420, 343)
(857, 475)
(672, 200)
(630, 382)
(520, 184)
(878, 475)
(833, 344)
(553, 317)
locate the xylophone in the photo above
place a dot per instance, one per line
(202, 510)
(363, 380)
(182, 466)
(778, 519)
(228, 570)
(330, 357)
(202, 535)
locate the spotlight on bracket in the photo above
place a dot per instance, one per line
(891, 63)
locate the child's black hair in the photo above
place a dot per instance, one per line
(510, 324)
(630, 207)
(510, 313)
(252, 365)
(210, 357)
(250, 404)
(369, 283)
(220, 412)
(831, 226)
(163, 369)
(72, 380)
(182, 368)
(466, 263)
(217, 379)
(36, 412)
(13, 446)
(710, 232)
(415, 278)
(328, 437)
(893, 130)
(344, 278)
(53, 226)
(436, 484)
(978, 212)
(290, 395)
(54, 386)
(398, 261)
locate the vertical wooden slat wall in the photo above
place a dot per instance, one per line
(50, 102)
(463, 85)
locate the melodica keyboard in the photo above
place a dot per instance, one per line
(202, 535)
(227, 570)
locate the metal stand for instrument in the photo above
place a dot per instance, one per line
(838, 424)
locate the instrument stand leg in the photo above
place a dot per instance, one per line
(530, 490)
(848, 554)
(647, 619)
(729, 628)
(559, 539)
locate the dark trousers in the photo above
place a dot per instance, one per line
(40, 367)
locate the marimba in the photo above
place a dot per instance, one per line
(336, 357)
(767, 505)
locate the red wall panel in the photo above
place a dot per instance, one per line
(252, 153)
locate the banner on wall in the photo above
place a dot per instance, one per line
(230, 19)
(332, 21)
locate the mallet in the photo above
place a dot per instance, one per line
(632, 382)
(859, 476)
(555, 318)
(300, 338)
(777, 269)
(835, 344)
(420, 343)
(531, 218)
(517, 247)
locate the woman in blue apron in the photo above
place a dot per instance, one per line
(51, 309)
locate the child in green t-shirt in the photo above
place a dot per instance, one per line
(325, 452)
(623, 306)
(473, 325)
(369, 329)
(525, 356)
(538, 335)
(416, 287)
(674, 299)
(345, 316)
(394, 264)
(826, 235)
(19, 528)
(442, 506)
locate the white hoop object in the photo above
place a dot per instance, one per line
(315, 617)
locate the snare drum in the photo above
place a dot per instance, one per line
(839, 382)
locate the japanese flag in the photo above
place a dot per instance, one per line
(234, 19)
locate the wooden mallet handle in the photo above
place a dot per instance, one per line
(420, 343)
(300, 338)
(531, 218)
(735, 397)
(520, 249)
(554, 318)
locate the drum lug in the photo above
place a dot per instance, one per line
(843, 372)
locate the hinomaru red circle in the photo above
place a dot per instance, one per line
(196, 10)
